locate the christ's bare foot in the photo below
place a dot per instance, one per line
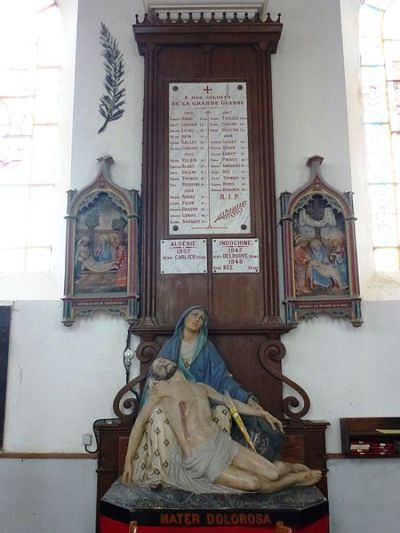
(287, 468)
(298, 467)
(293, 479)
(308, 478)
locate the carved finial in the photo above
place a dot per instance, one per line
(190, 16)
(314, 159)
(224, 19)
(168, 16)
(257, 17)
(314, 163)
(246, 17)
(279, 17)
(235, 18)
(213, 17)
(146, 16)
(105, 163)
(106, 159)
(137, 18)
(269, 19)
(202, 19)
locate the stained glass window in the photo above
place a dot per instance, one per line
(30, 32)
(380, 66)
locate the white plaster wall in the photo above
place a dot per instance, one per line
(59, 379)
(347, 371)
(47, 496)
(62, 379)
(122, 139)
(309, 98)
(365, 496)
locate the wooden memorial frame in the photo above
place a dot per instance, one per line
(319, 249)
(244, 306)
(101, 272)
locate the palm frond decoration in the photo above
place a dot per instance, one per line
(231, 212)
(111, 103)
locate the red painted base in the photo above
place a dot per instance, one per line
(108, 525)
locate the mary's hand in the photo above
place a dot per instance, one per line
(272, 421)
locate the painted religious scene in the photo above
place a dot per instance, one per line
(101, 251)
(320, 260)
(319, 248)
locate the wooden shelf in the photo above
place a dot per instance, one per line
(361, 438)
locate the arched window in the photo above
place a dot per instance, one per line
(30, 32)
(380, 65)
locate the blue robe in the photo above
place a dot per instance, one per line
(208, 367)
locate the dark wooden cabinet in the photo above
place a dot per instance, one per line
(112, 441)
(370, 437)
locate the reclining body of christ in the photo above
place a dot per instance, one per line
(206, 458)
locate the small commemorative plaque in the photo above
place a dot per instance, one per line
(184, 256)
(235, 256)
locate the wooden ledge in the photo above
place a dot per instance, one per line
(48, 455)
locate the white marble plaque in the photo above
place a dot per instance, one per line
(184, 256)
(209, 189)
(232, 256)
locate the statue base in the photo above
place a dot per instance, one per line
(302, 508)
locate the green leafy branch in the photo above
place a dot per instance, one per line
(111, 103)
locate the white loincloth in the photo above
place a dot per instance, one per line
(153, 456)
(198, 472)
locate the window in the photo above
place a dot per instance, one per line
(380, 65)
(29, 103)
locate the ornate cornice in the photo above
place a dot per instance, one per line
(153, 19)
(162, 7)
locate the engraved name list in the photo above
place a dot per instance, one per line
(208, 158)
